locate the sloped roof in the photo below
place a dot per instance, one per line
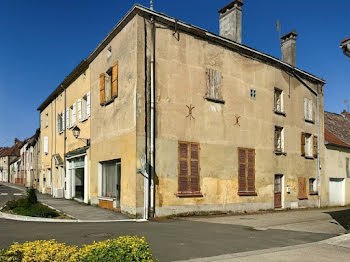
(12, 151)
(337, 129)
(181, 26)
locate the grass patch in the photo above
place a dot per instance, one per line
(29, 206)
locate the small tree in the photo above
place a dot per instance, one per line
(31, 196)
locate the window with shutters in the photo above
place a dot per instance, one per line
(312, 186)
(246, 172)
(214, 86)
(279, 140)
(309, 146)
(278, 102)
(109, 85)
(46, 145)
(72, 115)
(308, 112)
(84, 108)
(59, 121)
(188, 169)
(302, 188)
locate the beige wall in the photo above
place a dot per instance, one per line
(113, 127)
(181, 81)
(335, 167)
(76, 90)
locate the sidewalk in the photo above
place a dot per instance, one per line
(334, 249)
(79, 211)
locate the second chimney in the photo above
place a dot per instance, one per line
(231, 21)
(288, 46)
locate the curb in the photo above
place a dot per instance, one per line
(52, 220)
(331, 241)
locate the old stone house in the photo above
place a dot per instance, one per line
(337, 155)
(184, 120)
(7, 155)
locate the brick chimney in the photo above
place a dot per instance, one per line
(289, 46)
(231, 21)
(346, 114)
(16, 141)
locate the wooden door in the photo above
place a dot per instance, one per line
(278, 191)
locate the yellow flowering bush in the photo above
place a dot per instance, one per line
(124, 249)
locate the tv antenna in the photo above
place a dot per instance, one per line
(278, 28)
(346, 102)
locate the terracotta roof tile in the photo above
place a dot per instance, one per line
(337, 128)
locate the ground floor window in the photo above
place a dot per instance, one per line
(111, 171)
(312, 186)
(302, 188)
(246, 172)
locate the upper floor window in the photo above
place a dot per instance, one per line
(109, 85)
(309, 145)
(46, 145)
(84, 108)
(214, 87)
(347, 167)
(308, 114)
(279, 139)
(109, 52)
(278, 101)
(72, 112)
(46, 120)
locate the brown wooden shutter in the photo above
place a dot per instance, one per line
(194, 162)
(251, 170)
(315, 151)
(242, 162)
(183, 167)
(302, 143)
(302, 188)
(102, 89)
(115, 80)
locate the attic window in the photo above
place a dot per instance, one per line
(109, 52)
(253, 93)
(214, 86)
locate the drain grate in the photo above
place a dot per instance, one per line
(99, 235)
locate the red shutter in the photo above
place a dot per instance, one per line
(251, 170)
(302, 143)
(102, 89)
(183, 167)
(315, 151)
(242, 181)
(195, 188)
(115, 80)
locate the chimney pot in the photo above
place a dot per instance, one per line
(231, 21)
(288, 46)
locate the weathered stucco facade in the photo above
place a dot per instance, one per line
(243, 116)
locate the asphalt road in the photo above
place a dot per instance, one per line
(170, 240)
(8, 193)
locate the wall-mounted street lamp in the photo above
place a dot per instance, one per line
(76, 134)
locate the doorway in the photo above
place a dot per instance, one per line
(111, 183)
(79, 183)
(336, 192)
(278, 185)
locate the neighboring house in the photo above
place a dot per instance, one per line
(65, 159)
(215, 124)
(15, 171)
(30, 156)
(337, 155)
(7, 155)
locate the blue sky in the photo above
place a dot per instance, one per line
(42, 41)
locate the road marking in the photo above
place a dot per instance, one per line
(3, 194)
(17, 194)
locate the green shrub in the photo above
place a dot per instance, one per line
(23, 202)
(36, 210)
(31, 196)
(126, 249)
(11, 204)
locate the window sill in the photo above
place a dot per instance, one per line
(313, 193)
(278, 153)
(189, 194)
(247, 194)
(106, 198)
(279, 113)
(309, 121)
(109, 101)
(309, 157)
(302, 198)
(83, 120)
(219, 101)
